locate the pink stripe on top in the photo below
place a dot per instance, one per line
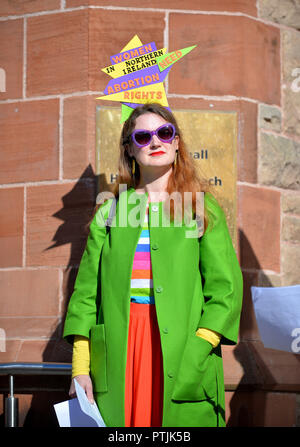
(141, 276)
(142, 265)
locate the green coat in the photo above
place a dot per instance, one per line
(197, 282)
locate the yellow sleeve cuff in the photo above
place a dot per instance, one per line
(81, 350)
(209, 335)
(81, 356)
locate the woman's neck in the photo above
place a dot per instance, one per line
(156, 187)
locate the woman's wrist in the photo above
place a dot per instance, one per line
(81, 356)
(212, 337)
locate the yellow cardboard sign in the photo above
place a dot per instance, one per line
(133, 43)
(135, 64)
(136, 57)
(141, 95)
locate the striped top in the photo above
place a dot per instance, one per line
(141, 277)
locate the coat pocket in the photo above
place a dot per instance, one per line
(197, 375)
(98, 358)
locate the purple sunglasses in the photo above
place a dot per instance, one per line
(142, 137)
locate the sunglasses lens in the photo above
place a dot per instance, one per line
(142, 138)
(165, 133)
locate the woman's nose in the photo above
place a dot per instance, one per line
(155, 141)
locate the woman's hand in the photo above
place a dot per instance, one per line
(85, 382)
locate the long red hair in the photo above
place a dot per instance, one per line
(183, 178)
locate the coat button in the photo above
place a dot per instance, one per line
(154, 208)
(159, 289)
(170, 374)
(165, 330)
(154, 246)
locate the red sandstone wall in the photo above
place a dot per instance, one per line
(52, 52)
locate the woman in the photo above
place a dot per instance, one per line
(151, 305)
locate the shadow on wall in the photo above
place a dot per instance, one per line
(245, 401)
(249, 405)
(77, 211)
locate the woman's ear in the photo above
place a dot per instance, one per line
(176, 139)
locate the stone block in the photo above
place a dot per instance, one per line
(259, 408)
(290, 264)
(11, 58)
(245, 6)
(240, 368)
(56, 219)
(151, 26)
(291, 228)
(278, 369)
(259, 224)
(29, 293)
(12, 348)
(29, 327)
(248, 325)
(233, 370)
(32, 351)
(69, 278)
(291, 81)
(290, 202)
(79, 136)
(281, 410)
(279, 161)
(269, 117)
(286, 12)
(247, 152)
(20, 7)
(11, 227)
(29, 135)
(45, 351)
(236, 56)
(57, 53)
(266, 279)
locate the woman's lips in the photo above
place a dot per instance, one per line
(156, 153)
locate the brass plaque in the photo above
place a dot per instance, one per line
(209, 136)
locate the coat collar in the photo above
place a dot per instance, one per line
(131, 202)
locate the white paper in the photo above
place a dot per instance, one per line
(277, 311)
(78, 412)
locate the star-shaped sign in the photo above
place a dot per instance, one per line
(138, 72)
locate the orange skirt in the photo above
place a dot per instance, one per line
(144, 369)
